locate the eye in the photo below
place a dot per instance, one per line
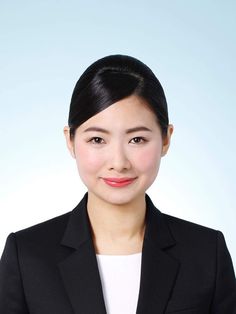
(96, 140)
(138, 140)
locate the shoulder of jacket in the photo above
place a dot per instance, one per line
(47, 228)
(188, 230)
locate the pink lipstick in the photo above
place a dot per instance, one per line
(118, 182)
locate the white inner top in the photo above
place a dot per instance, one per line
(120, 277)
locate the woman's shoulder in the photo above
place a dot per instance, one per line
(51, 228)
(186, 231)
(187, 224)
(181, 229)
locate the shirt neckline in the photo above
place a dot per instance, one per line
(124, 255)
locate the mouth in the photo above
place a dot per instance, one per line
(118, 182)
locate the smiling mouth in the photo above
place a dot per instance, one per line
(118, 182)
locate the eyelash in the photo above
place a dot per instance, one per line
(96, 137)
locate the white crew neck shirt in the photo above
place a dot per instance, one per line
(120, 277)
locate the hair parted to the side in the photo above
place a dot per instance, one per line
(111, 79)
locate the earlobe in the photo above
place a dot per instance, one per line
(166, 141)
(164, 149)
(69, 142)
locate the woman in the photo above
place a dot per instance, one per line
(116, 252)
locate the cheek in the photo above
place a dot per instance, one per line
(148, 160)
(87, 161)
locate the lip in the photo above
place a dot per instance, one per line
(119, 179)
(118, 182)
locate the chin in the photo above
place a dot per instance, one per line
(118, 197)
(119, 200)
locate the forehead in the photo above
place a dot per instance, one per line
(127, 112)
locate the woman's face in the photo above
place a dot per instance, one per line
(121, 142)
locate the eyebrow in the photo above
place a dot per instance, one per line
(136, 129)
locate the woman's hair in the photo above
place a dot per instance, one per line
(111, 79)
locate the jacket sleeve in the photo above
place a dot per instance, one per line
(12, 299)
(225, 288)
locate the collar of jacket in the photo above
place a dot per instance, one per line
(80, 271)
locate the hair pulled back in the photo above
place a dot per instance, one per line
(111, 79)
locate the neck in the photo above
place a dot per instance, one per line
(117, 226)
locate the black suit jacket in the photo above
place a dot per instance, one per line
(51, 268)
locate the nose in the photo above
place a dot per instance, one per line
(119, 160)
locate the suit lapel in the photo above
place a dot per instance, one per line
(80, 271)
(158, 269)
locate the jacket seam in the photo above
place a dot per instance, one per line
(216, 269)
(19, 268)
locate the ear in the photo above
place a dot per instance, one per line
(166, 141)
(69, 142)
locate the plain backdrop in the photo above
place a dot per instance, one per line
(44, 48)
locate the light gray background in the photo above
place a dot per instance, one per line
(46, 45)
